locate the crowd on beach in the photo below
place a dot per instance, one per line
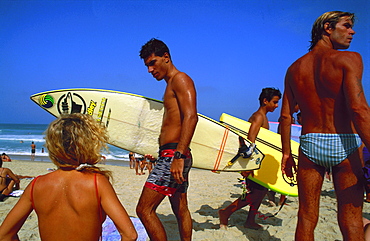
(141, 163)
(333, 113)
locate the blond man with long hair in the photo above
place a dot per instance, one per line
(327, 86)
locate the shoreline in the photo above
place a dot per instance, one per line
(208, 192)
(45, 158)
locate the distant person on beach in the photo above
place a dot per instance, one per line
(8, 181)
(327, 86)
(72, 202)
(33, 151)
(170, 176)
(151, 162)
(268, 99)
(139, 165)
(5, 158)
(144, 164)
(131, 157)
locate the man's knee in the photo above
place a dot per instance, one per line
(310, 216)
(139, 211)
(142, 208)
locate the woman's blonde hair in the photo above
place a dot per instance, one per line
(76, 139)
(332, 18)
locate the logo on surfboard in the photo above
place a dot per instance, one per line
(71, 103)
(46, 101)
(74, 103)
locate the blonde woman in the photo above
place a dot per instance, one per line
(72, 202)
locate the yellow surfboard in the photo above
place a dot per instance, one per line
(269, 175)
(134, 124)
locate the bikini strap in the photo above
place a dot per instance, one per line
(32, 185)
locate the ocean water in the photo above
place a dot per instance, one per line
(16, 139)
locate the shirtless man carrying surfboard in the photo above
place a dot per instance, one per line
(269, 99)
(327, 86)
(170, 175)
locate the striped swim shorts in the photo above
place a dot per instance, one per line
(327, 149)
(161, 180)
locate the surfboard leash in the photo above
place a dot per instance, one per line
(281, 207)
(243, 148)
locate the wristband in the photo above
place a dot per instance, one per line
(179, 155)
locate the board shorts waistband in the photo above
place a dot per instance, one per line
(161, 180)
(168, 146)
(169, 149)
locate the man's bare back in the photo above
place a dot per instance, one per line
(321, 92)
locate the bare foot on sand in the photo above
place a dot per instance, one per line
(254, 226)
(223, 219)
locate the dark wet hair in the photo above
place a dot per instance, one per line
(154, 46)
(332, 18)
(268, 94)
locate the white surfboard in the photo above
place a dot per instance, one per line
(134, 124)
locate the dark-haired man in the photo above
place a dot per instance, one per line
(327, 86)
(170, 175)
(268, 100)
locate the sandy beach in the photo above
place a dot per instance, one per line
(208, 192)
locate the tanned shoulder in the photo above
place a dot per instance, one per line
(181, 81)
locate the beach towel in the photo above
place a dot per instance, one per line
(16, 193)
(110, 233)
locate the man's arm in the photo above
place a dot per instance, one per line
(184, 89)
(287, 109)
(256, 123)
(12, 175)
(354, 93)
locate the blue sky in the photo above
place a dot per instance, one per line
(231, 49)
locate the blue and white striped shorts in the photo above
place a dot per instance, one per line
(328, 150)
